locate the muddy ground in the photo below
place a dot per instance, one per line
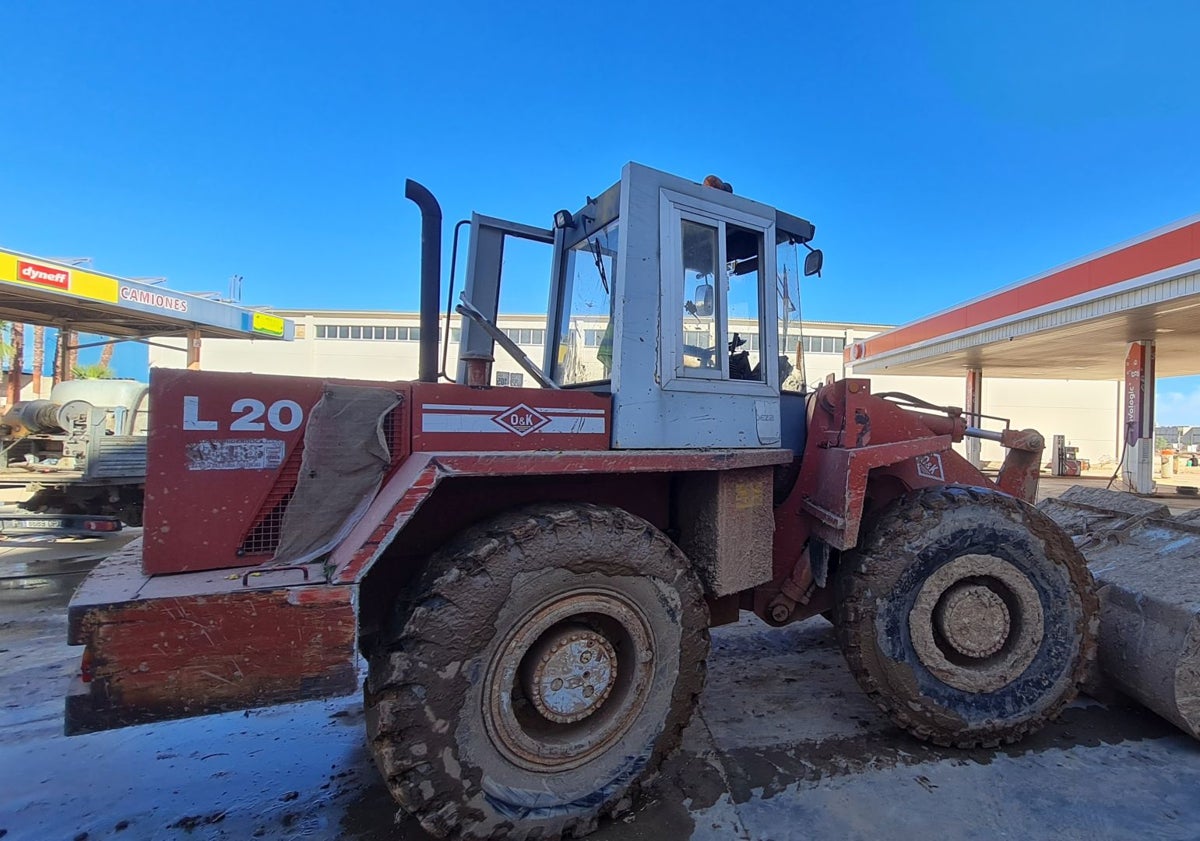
(784, 746)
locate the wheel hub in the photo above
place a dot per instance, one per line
(977, 623)
(572, 674)
(973, 620)
(568, 679)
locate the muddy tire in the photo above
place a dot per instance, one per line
(967, 616)
(544, 664)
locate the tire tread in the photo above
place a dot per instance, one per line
(904, 523)
(400, 675)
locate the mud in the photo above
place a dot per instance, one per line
(1022, 646)
(784, 746)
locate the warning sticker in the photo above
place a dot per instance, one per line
(237, 454)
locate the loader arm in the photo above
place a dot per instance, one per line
(856, 437)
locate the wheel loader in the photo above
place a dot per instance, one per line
(530, 574)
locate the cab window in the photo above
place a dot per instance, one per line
(584, 344)
(722, 305)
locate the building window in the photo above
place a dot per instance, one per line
(371, 333)
(749, 341)
(814, 344)
(526, 336)
(592, 338)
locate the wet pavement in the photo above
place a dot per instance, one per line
(783, 746)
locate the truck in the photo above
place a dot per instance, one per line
(523, 580)
(81, 452)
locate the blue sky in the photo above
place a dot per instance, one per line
(942, 149)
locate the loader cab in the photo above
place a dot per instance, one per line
(676, 298)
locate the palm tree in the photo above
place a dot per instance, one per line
(17, 344)
(72, 351)
(96, 371)
(11, 353)
(39, 358)
(106, 354)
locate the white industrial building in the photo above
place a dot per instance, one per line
(373, 345)
(384, 346)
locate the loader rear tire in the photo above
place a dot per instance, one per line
(968, 616)
(543, 665)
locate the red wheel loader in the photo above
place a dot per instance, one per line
(530, 574)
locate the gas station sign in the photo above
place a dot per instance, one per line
(153, 298)
(131, 305)
(1139, 391)
(62, 279)
(270, 325)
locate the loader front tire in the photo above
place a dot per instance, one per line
(544, 663)
(968, 616)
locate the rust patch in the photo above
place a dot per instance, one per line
(194, 655)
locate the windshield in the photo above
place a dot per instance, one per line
(792, 374)
(585, 332)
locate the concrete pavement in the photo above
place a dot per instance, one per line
(784, 746)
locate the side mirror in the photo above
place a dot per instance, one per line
(813, 263)
(704, 301)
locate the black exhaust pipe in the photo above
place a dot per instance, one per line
(431, 272)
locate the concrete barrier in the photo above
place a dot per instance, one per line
(1147, 569)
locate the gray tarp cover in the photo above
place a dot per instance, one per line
(345, 458)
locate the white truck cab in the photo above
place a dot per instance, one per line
(668, 294)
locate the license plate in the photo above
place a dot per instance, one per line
(38, 524)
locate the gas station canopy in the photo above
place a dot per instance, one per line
(34, 290)
(1073, 322)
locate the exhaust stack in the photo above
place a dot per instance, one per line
(431, 271)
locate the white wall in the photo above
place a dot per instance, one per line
(310, 356)
(1085, 411)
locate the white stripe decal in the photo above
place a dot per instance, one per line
(479, 423)
(546, 410)
(573, 425)
(459, 423)
(556, 411)
(447, 407)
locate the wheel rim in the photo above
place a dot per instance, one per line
(977, 623)
(568, 679)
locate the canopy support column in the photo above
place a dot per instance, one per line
(62, 355)
(1137, 466)
(973, 407)
(193, 350)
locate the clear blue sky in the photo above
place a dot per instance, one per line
(942, 149)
